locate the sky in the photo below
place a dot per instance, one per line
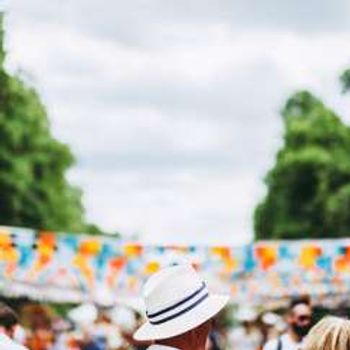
(172, 107)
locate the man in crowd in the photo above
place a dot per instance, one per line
(179, 309)
(247, 336)
(299, 319)
(8, 324)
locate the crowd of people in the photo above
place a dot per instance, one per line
(271, 331)
(180, 314)
(86, 327)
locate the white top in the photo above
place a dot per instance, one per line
(287, 343)
(238, 338)
(8, 344)
(158, 347)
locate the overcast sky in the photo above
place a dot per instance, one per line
(171, 107)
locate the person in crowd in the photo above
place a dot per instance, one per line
(179, 310)
(217, 339)
(105, 335)
(246, 336)
(8, 324)
(298, 319)
(41, 335)
(270, 325)
(331, 333)
(127, 334)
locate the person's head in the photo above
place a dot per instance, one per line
(299, 316)
(331, 333)
(179, 308)
(246, 316)
(8, 320)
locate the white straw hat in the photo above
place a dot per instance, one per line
(177, 300)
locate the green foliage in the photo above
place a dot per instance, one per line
(2, 50)
(33, 185)
(345, 80)
(309, 186)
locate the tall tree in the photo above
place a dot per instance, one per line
(34, 190)
(308, 189)
(345, 80)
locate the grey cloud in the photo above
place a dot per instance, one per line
(226, 102)
(141, 22)
(228, 96)
(156, 159)
(314, 15)
(247, 151)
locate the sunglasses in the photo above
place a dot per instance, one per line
(304, 318)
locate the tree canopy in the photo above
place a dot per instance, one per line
(345, 80)
(33, 164)
(308, 189)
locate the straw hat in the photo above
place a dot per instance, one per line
(177, 300)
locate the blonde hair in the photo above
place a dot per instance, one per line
(331, 333)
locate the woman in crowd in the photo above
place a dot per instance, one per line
(331, 333)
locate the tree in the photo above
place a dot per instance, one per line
(33, 185)
(308, 189)
(345, 80)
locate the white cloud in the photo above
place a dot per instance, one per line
(173, 207)
(174, 118)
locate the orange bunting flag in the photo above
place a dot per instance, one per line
(86, 270)
(230, 265)
(267, 256)
(222, 252)
(152, 267)
(46, 246)
(133, 250)
(47, 238)
(90, 247)
(308, 256)
(5, 240)
(342, 264)
(117, 263)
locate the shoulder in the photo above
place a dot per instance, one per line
(10, 344)
(271, 344)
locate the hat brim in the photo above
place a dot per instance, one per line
(202, 313)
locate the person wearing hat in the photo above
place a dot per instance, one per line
(179, 310)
